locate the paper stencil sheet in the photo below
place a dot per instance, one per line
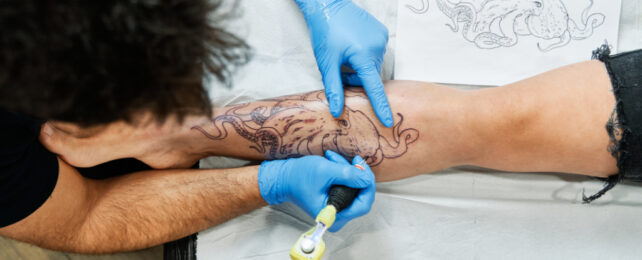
(495, 42)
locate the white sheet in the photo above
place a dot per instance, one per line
(429, 50)
(455, 214)
(462, 213)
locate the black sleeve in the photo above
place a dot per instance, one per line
(28, 172)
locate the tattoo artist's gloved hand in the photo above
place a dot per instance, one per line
(306, 181)
(351, 212)
(343, 33)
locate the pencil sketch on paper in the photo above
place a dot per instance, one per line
(544, 19)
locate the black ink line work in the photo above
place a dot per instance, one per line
(300, 125)
(544, 19)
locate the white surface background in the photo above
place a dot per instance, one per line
(428, 50)
(460, 213)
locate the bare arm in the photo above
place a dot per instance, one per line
(551, 122)
(137, 210)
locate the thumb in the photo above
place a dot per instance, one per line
(359, 207)
(333, 88)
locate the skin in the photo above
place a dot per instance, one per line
(553, 122)
(539, 125)
(298, 125)
(136, 211)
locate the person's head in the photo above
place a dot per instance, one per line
(95, 62)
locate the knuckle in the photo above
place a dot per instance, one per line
(358, 47)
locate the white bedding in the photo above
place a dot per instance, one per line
(460, 213)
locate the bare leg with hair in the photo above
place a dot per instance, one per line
(554, 122)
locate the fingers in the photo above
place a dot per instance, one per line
(357, 160)
(335, 157)
(362, 203)
(360, 207)
(369, 75)
(352, 177)
(334, 88)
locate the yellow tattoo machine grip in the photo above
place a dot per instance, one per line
(310, 245)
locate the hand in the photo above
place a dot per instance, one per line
(305, 182)
(343, 33)
(351, 212)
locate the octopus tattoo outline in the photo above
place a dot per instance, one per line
(544, 19)
(292, 128)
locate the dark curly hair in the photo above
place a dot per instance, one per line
(95, 62)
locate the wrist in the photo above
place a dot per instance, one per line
(269, 179)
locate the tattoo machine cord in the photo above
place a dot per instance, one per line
(310, 245)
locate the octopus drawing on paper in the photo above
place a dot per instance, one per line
(545, 19)
(300, 125)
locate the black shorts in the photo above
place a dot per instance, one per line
(625, 124)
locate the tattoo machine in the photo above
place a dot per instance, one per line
(310, 245)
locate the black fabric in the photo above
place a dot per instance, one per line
(181, 249)
(625, 126)
(113, 168)
(28, 172)
(626, 75)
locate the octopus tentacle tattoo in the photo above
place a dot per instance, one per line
(299, 125)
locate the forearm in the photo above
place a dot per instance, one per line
(149, 208)
(138, 210)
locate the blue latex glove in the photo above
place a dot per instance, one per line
(306, 181)
(351, 213)
(343, 33)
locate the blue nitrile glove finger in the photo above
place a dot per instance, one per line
(361, 204)
(305, 181)
(335, 157)
(343, 33)
(334, 88)
(369, 74)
